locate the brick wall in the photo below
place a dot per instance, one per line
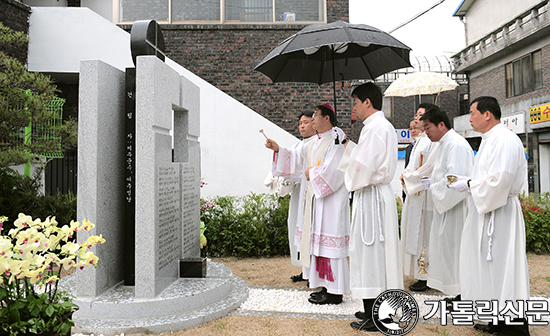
(15, 15)
(490, 83)
(404, 108)
(493, 83)
(337, 10)
(225, 56)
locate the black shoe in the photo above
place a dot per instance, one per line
(514, 330)
(326, 298)
(362, 315)
(420, 286)
(296, 278)
(488, 328)
(367, 325)
(316, 294)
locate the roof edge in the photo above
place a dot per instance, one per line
(463, 8)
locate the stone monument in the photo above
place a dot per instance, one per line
(152, 168)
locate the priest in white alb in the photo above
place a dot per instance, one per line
(452, 156)
(416, 216)
(493, 261)
(375, 261)
(293, 186)
(322, 237)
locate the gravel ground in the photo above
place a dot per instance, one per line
(278, 306)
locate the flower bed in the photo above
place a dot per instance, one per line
(31, 257)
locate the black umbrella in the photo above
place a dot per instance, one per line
(335, 51)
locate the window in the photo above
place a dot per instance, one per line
(423, 99)
(524, 75)
(223, 11)
(463, 104)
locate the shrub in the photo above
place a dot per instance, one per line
(25, 99)
(399, 204)
(246, 226)
(22, 193)
(536, 212)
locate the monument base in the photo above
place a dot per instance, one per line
(184, 304)
(193, 268)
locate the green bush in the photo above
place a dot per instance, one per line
(399, 204)
(536, 212)
(246, 226)
(20, 193)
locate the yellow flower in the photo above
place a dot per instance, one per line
(5, 245)
(38, 247)
(91, 259)
(68, 262)
(42, 242)
(5, 267)
(26, 251)
(23, 221)
(22, 237)
(52, 279)
(19, 267)
(93, 240)
(87, 225)
(74, 225)
(66, 232)
(53, 242)
(34, 276)
(6, 255)
(70, 248)
(50, 222)
(39, 260)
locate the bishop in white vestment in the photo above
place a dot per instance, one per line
(322, 234)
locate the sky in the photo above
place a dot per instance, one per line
(435, 33)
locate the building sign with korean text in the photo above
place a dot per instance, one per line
(403, 136)
(540, 116)
(514, 122)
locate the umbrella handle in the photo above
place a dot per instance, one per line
(437, 98)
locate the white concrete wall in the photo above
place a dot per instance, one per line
(61, 37)
(462, 126)
(486, 15)
(45, 3)
(233, 157)
(101, 7)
